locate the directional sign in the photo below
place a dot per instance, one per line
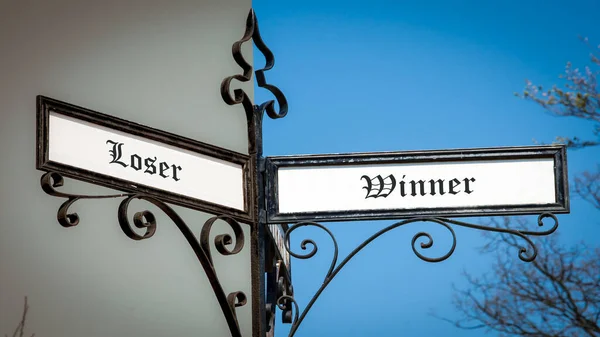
(465, 182)
(116, 153)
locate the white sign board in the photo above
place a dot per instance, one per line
(521, 180)
(119, 154)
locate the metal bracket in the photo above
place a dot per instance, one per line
(146, 220)
(526, 253)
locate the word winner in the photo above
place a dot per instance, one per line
(382, 187)
(150, 164)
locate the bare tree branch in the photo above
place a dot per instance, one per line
(578, 98)
(21, 327)
(558, 294)
(587, 186)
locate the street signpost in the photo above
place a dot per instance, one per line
(390, 185)
(105, 150)
(277, 195)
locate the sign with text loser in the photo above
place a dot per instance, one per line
(112, 152)
(465, 182)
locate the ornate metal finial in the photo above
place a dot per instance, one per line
(239, 96)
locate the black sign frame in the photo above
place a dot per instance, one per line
(557, 152)
(45, 105)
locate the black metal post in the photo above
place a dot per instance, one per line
(254, 117)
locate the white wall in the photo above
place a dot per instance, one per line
(159, 63)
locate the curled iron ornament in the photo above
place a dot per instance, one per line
(283, 304)
(284, 289)
(146, 220)
(50, 181)
(527, 253)
(252, 32)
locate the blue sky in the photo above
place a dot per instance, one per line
(415, 75)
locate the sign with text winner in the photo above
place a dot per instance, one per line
(391, 185)
(106, 150)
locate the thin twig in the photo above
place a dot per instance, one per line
(21, 327)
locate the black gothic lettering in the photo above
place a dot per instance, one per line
(440, 186)
(150, 168)
(466, 180)
(452, 184)
(136, 162)
(382, 187)
(402, 192)
(414, 187)
(378, 186)
(175, 168)
(162, 167)
(116, 153)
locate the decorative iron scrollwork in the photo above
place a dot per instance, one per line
(239, 96)
(420, 241)
(146, 220)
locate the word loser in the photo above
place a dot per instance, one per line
(135, 162)
(382, 187)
